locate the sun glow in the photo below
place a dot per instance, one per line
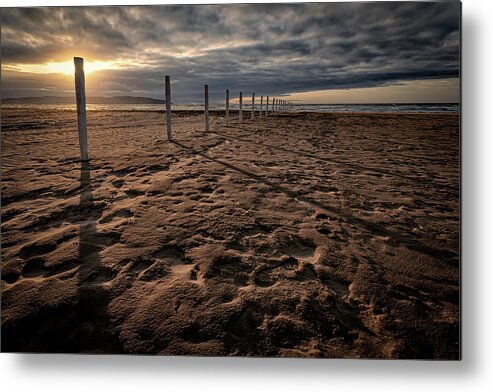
(67, 67)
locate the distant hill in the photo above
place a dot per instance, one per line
(90, 100)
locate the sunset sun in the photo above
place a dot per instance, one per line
(67, 67)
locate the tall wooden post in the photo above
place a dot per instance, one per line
(261, 105)
(227, 108)
(80, 97)
(253, 105)
(240, 115)
(167, 87)
(267, 107)
(206, 107)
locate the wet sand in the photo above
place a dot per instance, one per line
(300, 234)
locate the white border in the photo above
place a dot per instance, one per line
(132, 373)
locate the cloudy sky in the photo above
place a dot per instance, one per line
(324, 52)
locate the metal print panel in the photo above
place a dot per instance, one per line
(271, 180)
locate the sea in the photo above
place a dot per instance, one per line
(324, 108)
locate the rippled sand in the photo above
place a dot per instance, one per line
(327, 235)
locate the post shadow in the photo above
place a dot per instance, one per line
(351, 165)
(92, 333)
(80, 322)
(336, 213)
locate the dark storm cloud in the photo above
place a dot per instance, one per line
(269, 49)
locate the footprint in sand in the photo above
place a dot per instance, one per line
(132, 193)
(118, 183)
(122, 213)
(33, 268)
(174, 263)
(323, 230)
(270, 275)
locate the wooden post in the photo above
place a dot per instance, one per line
(253, 105)
(241, 107)
(206, 107)
(80, 97)
(227, 108)
(267, 107)
(261, 105)
(167, 85)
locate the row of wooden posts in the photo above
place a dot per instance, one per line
(276, 105)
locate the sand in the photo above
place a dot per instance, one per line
(299, 235)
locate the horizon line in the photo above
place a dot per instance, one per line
(246, 103)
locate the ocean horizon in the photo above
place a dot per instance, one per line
(323, 108)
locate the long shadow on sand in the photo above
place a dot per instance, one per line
(93, 298)
(351, 165)
(336, 213)
(79, 322)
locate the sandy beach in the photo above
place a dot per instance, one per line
(297, 235)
